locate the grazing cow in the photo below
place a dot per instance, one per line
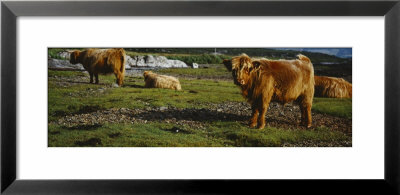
(153, 80)
(283, 81)
(101, 61)
(332, 87)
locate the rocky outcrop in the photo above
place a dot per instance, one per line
(154, 61)
(131, 62)
(63, 65)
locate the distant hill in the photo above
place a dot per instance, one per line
(339, 52)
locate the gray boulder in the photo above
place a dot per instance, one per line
(195, 65)
(63, 64)
(154, 61)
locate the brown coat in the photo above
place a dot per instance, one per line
(332, 87)
(264, 80)
(153, 80)
(101, 61)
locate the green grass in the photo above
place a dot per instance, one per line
(134, 135)
(217, 134)
(235, 134)
(82, 97)
(333, 106)
(68, 74)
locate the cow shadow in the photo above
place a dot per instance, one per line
(83, 82)
(134, 86)
(106, 84)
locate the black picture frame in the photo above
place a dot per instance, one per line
(10, 10)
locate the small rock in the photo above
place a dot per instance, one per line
(163, 108)
(195, 65)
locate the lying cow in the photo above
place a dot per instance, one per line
(153, 80)
(101, 61)
(265, 80)
(332, 87)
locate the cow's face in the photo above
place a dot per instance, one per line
(241, 69)
(74, 57)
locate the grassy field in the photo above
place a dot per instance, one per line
(81, 114)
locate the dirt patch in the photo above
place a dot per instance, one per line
(198, 118)
(88, 109)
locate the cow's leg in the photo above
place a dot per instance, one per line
(97, 78)
(263, 110)
(254, 115)
(300, 101)
(91, 77)
(303, 114)
(305, 106)
(308, 112)
(308, 105)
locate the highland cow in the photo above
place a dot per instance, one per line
(264, 80)
(332, 87)
(153, 80)
(101, 61)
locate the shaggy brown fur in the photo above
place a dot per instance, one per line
(101, 61)
(153, 80)
(283, 81)
(332, 87)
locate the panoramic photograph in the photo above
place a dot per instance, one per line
(200, 97)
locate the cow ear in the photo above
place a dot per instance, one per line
(228, 64)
